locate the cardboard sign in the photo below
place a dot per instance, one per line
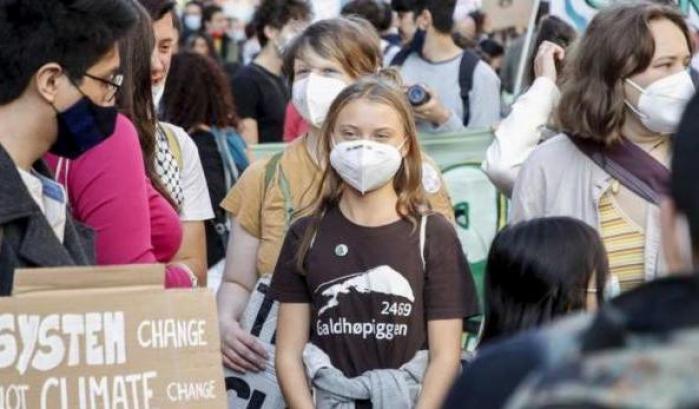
(258, 390)
(504, 14)
(111, 345)
(255, 390)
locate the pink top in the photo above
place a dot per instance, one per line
(294, 124)
(108, 190)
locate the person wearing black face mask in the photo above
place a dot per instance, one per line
(85, 124)
(60, 98)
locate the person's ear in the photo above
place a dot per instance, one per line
(405, 148)
(47, 81)
(424, 20)
(271, 33)
(676, 239)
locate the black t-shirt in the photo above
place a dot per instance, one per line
(216, 181)
(262, 96)
(370, 297)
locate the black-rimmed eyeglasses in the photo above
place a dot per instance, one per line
(112, 84)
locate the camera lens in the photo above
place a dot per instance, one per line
(417, 95)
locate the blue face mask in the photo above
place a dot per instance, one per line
(192, 22)
(82, 127)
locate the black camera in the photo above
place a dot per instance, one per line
(417, 95)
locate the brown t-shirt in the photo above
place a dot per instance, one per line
(370, 296)
(263, 214)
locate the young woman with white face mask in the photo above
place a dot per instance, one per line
(371, 274)
(621, 101)
(321, 62)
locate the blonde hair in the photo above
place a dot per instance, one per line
(350, 41)
(383, 88)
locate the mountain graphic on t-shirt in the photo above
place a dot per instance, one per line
(382, 279)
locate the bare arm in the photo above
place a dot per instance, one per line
(445, 354)
(192, 252)
(241, 351)
(293, 327)
(249, 131)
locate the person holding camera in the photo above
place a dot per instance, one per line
(452, 88)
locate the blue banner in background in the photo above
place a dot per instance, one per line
(578, 13)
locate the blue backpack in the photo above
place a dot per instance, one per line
(232, 148)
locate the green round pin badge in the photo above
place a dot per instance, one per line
(341, 250)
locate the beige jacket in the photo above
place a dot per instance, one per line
(559, 180)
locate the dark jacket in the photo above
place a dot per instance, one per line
(26, 238)
(647, 316)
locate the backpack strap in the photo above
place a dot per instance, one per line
(273, 169)
(469, 61)
(415, 46)
(423, 240)
(230, 171)
(173, 143)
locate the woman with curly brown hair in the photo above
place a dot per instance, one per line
(624, 92)
(198, 99)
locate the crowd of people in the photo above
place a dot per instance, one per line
(126, 129)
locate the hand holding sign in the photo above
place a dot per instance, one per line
(242, 352)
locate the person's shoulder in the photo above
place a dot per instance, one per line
(182, 136)
(483, 71)
(201, 133)
(677, 296)
(179, 132)
(295, 153)
(439, 226)
(246, 73)
(123, 143)
(299, 226)
(555, 150)
(412, 58)
(254, 173)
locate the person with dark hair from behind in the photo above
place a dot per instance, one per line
(201, 44)
(462, 91)
(58, 78)
(177, 162)
(493, 52)
(540, 270)
(644, 339)
(210, 119)
(375, 12)
(260, 91)
(513, 52)
(554, 30)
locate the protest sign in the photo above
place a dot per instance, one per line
(506, 14)
(258, 390)
(118, 341)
